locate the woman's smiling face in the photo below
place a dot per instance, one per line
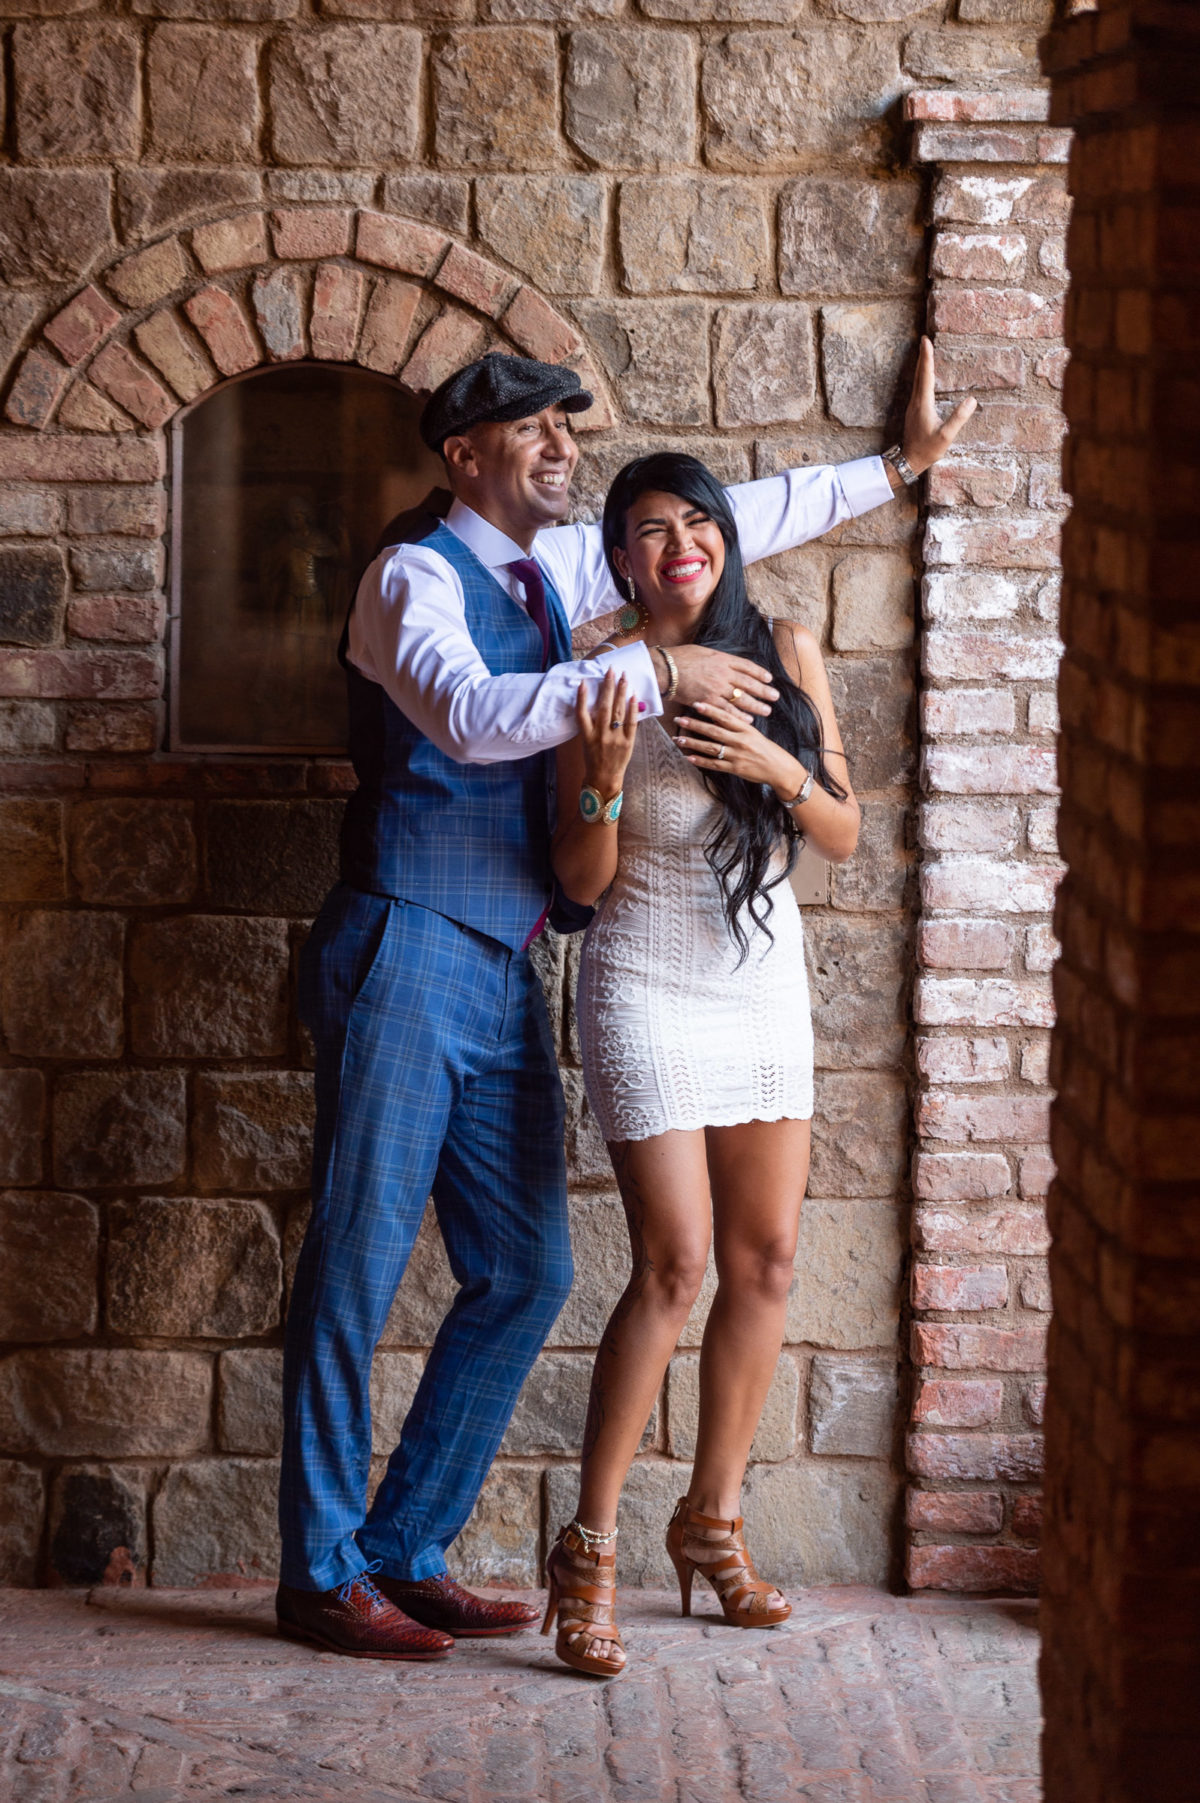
(675, 553)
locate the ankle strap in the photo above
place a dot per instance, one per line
(726, 1525)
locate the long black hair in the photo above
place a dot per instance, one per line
(753, 820)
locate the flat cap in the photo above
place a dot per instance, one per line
(498, 387)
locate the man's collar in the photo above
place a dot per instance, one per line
(493, 548)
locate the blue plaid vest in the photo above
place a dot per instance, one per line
(470, 841)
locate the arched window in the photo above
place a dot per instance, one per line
(281, 484)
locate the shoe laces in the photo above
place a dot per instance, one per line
(363, 1578)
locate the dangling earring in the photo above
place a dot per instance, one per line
(634, 614)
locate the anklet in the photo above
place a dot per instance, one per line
(590, 1537)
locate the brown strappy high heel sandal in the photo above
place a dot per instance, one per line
(582, 1584)
(715, 1549)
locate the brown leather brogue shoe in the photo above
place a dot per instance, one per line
(441, 1603)
(355, 1619)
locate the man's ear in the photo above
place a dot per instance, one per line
(458, 454)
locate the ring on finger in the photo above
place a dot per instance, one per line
(735, 695)
(720, 752)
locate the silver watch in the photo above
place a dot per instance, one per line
(802, 793)
(899, 462)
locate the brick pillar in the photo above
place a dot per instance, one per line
(1122, 1652)
(989, 869)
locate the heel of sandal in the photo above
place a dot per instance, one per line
(685, 1572)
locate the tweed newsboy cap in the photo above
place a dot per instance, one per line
(498, 387)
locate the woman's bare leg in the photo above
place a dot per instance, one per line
(664, 1189)
(758, 1173)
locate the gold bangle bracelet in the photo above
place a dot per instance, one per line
(672, 672)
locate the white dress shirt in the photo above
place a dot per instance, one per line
(408, 628)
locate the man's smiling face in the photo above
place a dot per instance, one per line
(516, 473)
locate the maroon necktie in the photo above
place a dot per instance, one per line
(530, 578)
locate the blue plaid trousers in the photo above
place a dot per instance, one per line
(435, 1074)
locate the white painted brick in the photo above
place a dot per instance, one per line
(984, 656)
(989, 885)
(1041, 947)
(956, 597)
(960, 1176)
(971, 944)
(969, 826)
(979, 199)
(982, 1002)
(1043, 711)
(999, 1119)
(952, 712)
(1035, 1060)
(991, 770)
(1020, 1232)
(954, 1059)
(1042, 830)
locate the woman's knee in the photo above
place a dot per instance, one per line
(675, 1277)
(763, 1268)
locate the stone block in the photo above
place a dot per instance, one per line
(30, 513)
(280, 302)
(858, 1134)
(108, 567)
(426, 1290)
(683, 234)
(324, 187)
(773, 98)
(85, 409)
(629, 98)
(793, 586)
(253, 1130)
(124, 511)
(500, 1543)
(587, 1155)
(969, 58)
(231, 243)
(225, 330)
(394, 1380)
(22, 1511)
(851, 1406)
(117, 1128)
(77, 92)
(495, 99)
(345, 95)
(83, 323)
(209, 987)
(270, 857)
(875, 705)
(765, 364)
(98, 1526)
(388, 326)
(599, 463)
(62, 987)
(652, 1489)
(600, 1247)
(102, 726)
(149, 275)
(250, 1401)
(337, 305)
(846, 1292)
(399, 244)
(876, 876)
(550, 227)
(535, 327)
(53, 223)
(133, 853)
(816, 1522)
(775, 1435)
(551, 1408)
(656, 354)
(440, 200)
(22, 1119)
(216, 1519)
(150, 201)
(37, 389)
(31, 851)
(857, 979)
(49, 1246)
(184, 1268)
(113, 1403)
(27, 726)
(873, 602)
(33, 587)
(203, 90)
(306, 233)
(864, 353)
(843, 237)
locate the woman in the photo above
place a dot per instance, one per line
(695, 1027)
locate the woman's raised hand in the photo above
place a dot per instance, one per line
(606, 729)
(927, 437)
(727, 743)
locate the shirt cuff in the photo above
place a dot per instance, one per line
(637, 666)
(864, 484)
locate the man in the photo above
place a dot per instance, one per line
(435, 1067)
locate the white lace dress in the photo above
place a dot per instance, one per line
(673, 1034)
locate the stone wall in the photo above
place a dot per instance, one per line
(1120, 1652)
(719, 223)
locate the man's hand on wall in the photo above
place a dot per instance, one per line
(927, 437)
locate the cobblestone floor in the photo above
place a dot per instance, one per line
(166, 1696)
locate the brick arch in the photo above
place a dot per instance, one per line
(155, 330)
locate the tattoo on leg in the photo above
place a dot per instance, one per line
(634, 1204)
